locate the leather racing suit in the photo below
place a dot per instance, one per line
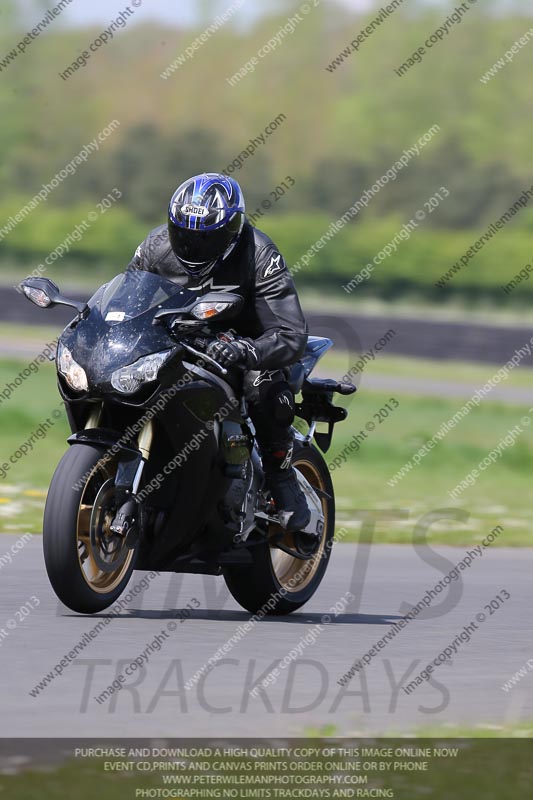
(272, 323)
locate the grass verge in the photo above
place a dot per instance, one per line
(368, 460)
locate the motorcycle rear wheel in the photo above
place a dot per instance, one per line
(276, 582)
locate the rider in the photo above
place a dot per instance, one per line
(209, 245)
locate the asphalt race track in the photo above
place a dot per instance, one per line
(306, 695)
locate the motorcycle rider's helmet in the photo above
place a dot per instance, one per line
(205, 221)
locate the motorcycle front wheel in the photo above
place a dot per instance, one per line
(88, 566)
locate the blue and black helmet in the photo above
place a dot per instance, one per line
(205, 220)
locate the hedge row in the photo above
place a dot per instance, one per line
(415, 264)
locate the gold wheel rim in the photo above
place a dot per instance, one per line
(291, 573)
(99, 580)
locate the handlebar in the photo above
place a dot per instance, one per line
(327, 386)
(204, 357)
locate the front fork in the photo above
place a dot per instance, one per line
(127, 480)
(129, 473)
(129, 519)
(145, 440)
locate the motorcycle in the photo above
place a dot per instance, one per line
(163, 473)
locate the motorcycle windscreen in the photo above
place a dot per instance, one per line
(119, 330)
(136, 291)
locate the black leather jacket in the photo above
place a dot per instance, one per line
(271, 318)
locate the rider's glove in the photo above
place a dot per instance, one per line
(233, 352)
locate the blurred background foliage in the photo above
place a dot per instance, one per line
(337, 140)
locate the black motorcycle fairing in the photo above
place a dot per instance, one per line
(106, 439)
(191, 496)
(193, 485)
(188, 498)
(118, 329)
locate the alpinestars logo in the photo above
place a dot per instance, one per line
(250, 347)
(264, 377)
(276, 265)
(287, 462)
(213, 288)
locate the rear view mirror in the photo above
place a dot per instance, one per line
(44, 293)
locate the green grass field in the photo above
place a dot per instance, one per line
(501, 496)
(401, 366)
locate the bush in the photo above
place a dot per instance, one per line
(413, 269)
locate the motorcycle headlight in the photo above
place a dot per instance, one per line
(129, 380)
(72, 372)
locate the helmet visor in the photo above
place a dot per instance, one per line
(199, 247)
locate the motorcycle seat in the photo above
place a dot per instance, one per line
(296, 377)
(314, 350)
